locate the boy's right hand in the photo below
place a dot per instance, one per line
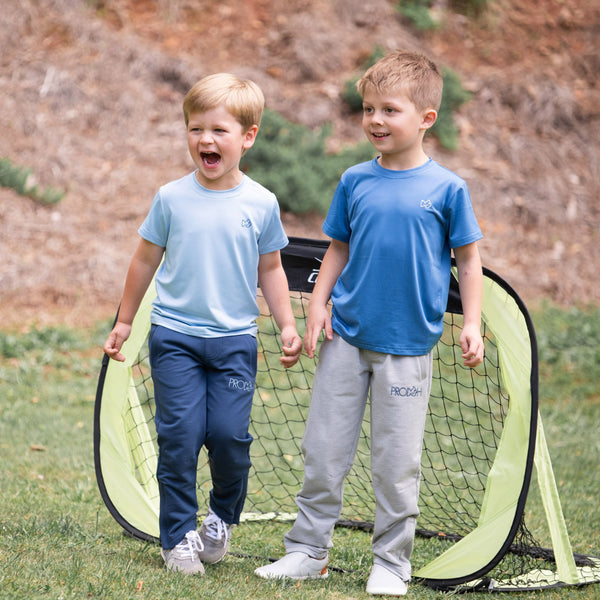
(115, 341)
(318, 319)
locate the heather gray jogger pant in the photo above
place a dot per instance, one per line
(399, 389)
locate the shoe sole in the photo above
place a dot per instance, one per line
(324, 574)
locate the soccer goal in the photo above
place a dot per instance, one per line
(484, 440)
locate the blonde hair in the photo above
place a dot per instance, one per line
(241, 97)
(409, 72)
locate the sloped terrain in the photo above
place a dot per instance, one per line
(90, 100)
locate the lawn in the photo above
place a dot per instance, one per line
(57, 539)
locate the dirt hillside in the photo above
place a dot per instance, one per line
(90, 97)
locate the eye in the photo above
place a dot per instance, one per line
(367, 110)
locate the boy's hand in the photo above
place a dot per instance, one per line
(292, 347)
(115, 341)
(317, 320)
(472, 346)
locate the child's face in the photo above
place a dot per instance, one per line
(216, 141)
(395, 127)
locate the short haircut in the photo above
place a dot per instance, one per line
(241, 97)
(411, 73)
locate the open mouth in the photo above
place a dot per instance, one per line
(210, 159)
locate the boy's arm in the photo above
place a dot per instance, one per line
(334, 261)
(144, 263)
(274, 285)
(470, 283)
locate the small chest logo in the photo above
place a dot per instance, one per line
(426, 204)
(246, 223)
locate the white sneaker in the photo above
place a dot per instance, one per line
(383, 582)
(214, 536)
(185, 556)
(295, 565)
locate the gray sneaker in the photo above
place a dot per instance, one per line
(185, 556)
(214, 536)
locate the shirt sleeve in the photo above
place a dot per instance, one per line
(463, 226)
(155, 227)
(273, 236)
(337, 222)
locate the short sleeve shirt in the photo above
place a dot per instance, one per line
(206, 285)
(400, 227)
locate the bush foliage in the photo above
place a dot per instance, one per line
(292, 161)
(417, 12)
(19, 179)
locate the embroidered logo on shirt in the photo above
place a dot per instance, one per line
(246, 223)
(426, 203)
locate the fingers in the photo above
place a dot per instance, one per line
(473, 355)
(291, 352)
(114, 342)
(113, 351)
(314, 325)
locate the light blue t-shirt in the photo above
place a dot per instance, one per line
(400, 227)
(206, 285)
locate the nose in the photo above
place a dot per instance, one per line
(377, 117)
(205, 137)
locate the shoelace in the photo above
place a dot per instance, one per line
(216, 527)
(189, 546)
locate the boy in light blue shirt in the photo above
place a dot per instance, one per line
(216, 235)
(393, 222)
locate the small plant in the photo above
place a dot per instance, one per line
(471, 8)
(418, 13)
(19, 179)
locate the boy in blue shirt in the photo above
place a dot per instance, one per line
(216, 234)
(393, 222)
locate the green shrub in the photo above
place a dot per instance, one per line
(471, 8)
(291, 160)
(417, 12)
(453, 96)
(18, 179)
(350, 93)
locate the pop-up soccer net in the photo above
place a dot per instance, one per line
(483, 438)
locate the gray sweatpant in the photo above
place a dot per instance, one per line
(399, 389)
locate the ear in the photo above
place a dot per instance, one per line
(429, 118)
(250, 137)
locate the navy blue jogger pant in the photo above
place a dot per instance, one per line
(203, 391)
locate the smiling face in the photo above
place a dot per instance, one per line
(216, 141)
(395, 127)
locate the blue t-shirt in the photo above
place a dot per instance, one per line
(206, 284)
(400, 227)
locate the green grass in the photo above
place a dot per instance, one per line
(57, 539)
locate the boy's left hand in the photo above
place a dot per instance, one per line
(472, 346)
(292, 347)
